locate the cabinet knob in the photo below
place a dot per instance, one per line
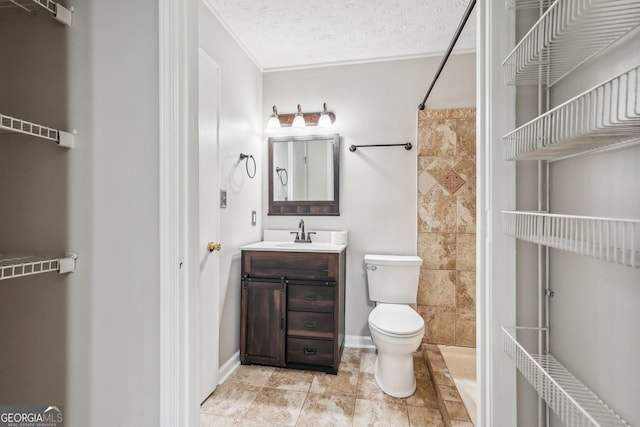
(211, 246)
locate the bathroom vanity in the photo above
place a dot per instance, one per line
(292, 312)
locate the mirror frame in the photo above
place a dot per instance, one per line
(307, 207)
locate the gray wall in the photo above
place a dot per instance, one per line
(88, 341)
(240, 132)
(594, 314)
(374, 103)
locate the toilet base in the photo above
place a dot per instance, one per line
(394, 374)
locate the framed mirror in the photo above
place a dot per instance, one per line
(304, 175)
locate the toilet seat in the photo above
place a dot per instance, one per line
(396, 320)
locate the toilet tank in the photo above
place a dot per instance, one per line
(393, 279)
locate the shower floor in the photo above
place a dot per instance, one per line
(461, 362)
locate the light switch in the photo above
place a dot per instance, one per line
(254, 219)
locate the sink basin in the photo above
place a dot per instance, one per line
(302, 246)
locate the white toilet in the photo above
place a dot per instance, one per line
(396, 328)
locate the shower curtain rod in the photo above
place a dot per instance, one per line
(463, 22)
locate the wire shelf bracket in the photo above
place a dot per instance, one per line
(569, 398)
(59, 13)
(610, 239)
(14, 266)
(566, 35)
(604, 117)
(14, 125)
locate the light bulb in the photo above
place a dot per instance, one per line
(298, 121)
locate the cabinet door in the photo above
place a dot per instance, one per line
(262, 338)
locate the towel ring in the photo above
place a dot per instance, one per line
(246, 158)
(284, 180)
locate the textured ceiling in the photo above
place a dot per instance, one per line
(282, 34)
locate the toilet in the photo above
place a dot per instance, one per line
(396, 328)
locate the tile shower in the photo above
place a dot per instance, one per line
(447, 225)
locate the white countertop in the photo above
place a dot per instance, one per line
(277, 246)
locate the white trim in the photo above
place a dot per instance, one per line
(358, 341)
(365, 61)
(233, 35)
(495, 290)
(169, 218)
(178, 394)
(229, 367)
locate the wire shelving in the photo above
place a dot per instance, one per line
(13, 266)
(610, 239)
(59, 12)
(566, 35)
(10, 124)
(570, 399)
(604, 117)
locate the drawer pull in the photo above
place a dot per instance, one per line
(309, 351)
(310, 297)
(310, 323)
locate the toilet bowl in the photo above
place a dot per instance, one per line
(396, 331)
(396, 328)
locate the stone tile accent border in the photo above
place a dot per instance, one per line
(454, 414)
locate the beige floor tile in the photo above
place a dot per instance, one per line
(230, 400)
(420, 367)
(210, 420)
(424, 396)
(330, 411)
(276, 406)
(343, 384)
(368, 360)
(251, 375)
(424, 417)
(368, 390)
(290, 379)
(377, 413)
(350, 358)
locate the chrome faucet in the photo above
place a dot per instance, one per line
(301, 226)
(301, 237)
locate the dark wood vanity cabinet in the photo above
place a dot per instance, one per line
(292, 312)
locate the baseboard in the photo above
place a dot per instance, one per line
(229, 367)
(358, 341)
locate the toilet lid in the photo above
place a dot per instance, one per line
(397, 319)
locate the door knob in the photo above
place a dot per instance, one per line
(214, 246)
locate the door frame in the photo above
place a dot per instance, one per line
(178, 106)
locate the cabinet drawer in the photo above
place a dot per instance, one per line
(308, 324)
(310, 351)
(292, 265)
(311, 297)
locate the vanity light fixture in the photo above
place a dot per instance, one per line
(300, 120)
(324, 121)
(274, 122)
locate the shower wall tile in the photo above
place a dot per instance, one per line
(465, 252)
(438, 212)
(437, 250)
(466, 289)
(437, 288)
(466, 327)
(447, 224)
(439, 325)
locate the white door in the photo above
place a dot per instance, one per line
(209, 222)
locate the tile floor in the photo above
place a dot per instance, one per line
(266, 396)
